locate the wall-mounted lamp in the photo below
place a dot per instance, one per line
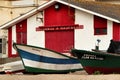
(57, 6)
(39, 19)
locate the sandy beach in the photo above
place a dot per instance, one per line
(70, 76)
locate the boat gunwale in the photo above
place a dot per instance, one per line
(98, 52)
(72, 57)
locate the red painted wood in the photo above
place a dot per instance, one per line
(58, 27)
(63, 16)
(60, 40)
(100, 22)
(21, 31)
(10, 42)
(116, 31)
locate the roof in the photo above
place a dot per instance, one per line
(99, 8)
(105, 10)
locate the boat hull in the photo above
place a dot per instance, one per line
(92, 62)
(101, 70)
(41, 60)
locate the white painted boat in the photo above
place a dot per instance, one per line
(42, 60)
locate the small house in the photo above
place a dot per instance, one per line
(61, 25)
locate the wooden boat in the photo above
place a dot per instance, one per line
(98, 61)
(42, 60)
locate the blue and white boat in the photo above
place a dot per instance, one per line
(42, 60)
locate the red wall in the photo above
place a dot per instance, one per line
(59, 40)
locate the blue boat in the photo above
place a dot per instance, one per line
(42, 60)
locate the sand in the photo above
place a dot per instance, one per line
(70, 76)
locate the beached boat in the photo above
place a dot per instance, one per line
(99, 61)
(11, 65)
(42, 60)
(12, 68)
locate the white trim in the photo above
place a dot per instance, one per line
(13, 39)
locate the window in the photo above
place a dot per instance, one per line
(100, 26)
(99, 31)
(2, 45)
(22, 2)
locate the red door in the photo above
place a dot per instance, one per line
(21, 30)
(60, 41)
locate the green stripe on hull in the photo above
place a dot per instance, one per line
(38, 70)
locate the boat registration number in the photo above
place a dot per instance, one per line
(93, 57)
